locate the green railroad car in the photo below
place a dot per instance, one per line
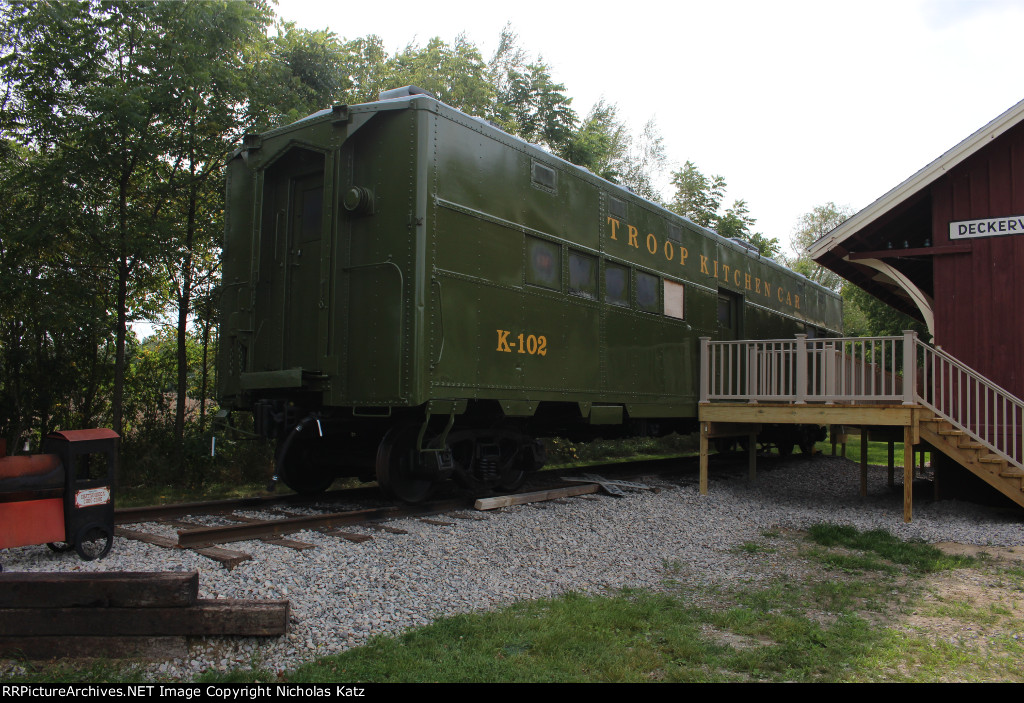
(411, 293)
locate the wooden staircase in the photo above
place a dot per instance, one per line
(870, 381)
(973, 455)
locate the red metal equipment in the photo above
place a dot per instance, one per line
(63, 497)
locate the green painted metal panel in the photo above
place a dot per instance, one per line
(455, 262)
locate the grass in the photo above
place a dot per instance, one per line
(847, 619)
(878, 452)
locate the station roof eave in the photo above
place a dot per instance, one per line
(870, 249)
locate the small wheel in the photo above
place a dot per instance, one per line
(93, 541)
(397, 461)
(60, 547)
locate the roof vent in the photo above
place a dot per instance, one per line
(404, 92)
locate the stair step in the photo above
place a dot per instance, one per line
(1011, 474)
(991, 460)
(950, 433)
(971, 445)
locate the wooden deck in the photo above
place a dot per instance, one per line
(730, 419)
(880, 384)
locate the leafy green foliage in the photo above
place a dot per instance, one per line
(699, 198)
(811, 227)
(866, 316)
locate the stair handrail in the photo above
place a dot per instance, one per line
(994, 397)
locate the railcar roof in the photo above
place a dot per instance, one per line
(404, 101)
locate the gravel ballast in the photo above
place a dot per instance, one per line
(342, 592)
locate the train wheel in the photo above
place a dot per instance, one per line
(397, 461)
(512, 477)
(785, 449)
(93, 541)
(526, 460)
(60, 547)
(303, 471)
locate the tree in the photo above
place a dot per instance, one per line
(811, 227)
(121, 102)
(210, 89)
(527, 101)
(699, 197)
(866, 316)
(456, 74)
(599, 143)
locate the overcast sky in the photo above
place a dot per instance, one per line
(793, 103)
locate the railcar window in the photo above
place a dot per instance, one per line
(544, 177)
(543, 263)
(616, 285)
(724, 311)
(674, 300)
(675, 233)
(647, 292)
(617, 207)
(583, 275)
(312, 210)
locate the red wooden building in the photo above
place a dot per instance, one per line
(946, 245)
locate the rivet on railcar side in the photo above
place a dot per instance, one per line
(412, 295)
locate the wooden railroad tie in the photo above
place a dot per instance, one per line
(121, 614)
(612, 486)
(592, 484)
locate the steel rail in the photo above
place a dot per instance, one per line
(209, 536)
(149, 513)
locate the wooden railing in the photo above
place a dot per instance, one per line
(989, 414)
(865, 370)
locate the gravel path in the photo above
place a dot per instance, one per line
(343, 592)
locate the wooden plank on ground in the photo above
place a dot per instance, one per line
(228, 557)
(154, 648)
(289, 543)
(100, 590)
(535, 497)
(389, 528)
(166, 542)
(350, 536)
(204, 618)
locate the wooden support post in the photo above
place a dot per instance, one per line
(908, 472)
(863, 462)
(705, 379)
(832, 437)
(892, 463)
(909, 368)
(704, 458)
(752, 455)
(800, 392)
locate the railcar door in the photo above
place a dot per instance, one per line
(302, 294)
(730, 377)
(288, 279)
(730, 315)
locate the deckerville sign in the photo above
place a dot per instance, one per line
(989, 227)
